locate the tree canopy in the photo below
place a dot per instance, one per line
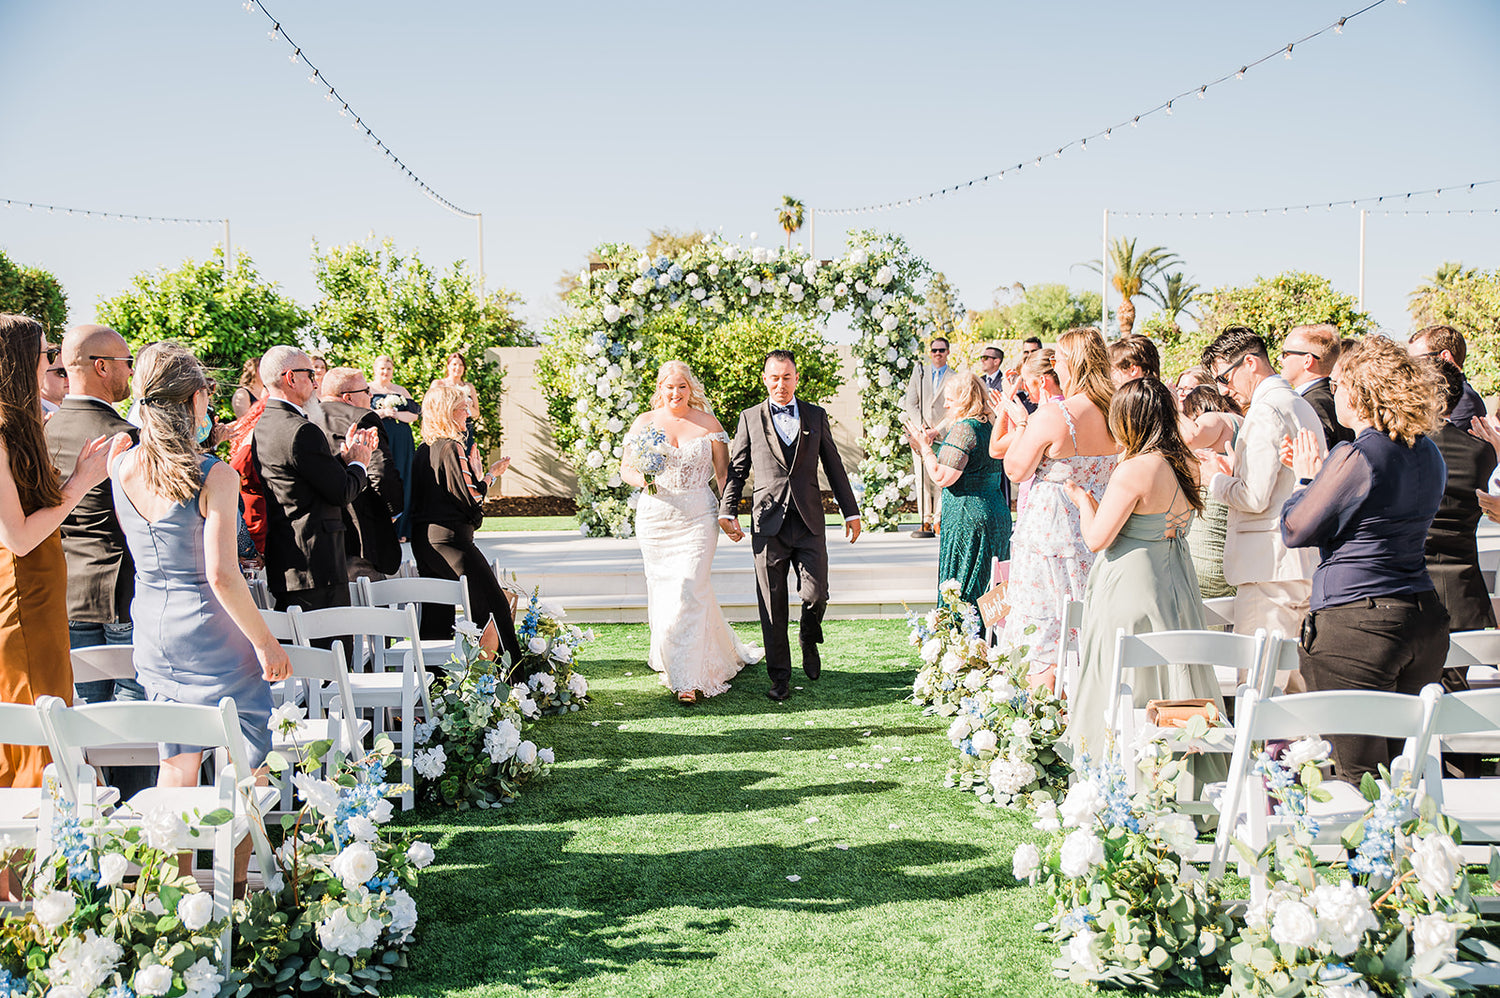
(1469, 301)
(33, 292)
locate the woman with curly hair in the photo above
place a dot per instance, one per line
(1374, 621)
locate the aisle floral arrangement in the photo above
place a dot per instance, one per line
(471, 751)
(1005, 733)
(549, 648)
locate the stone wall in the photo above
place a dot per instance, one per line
(538, 469)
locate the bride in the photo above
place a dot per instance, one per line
(691, 644)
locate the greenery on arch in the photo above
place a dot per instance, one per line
(598, 370)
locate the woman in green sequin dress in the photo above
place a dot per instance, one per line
(975, 514)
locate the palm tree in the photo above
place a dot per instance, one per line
(1175, 294)
(1132, 272)
(1435, 289)
(790, 216)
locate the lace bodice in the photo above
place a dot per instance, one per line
(690, 467)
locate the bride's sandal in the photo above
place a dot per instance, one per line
(688, 696)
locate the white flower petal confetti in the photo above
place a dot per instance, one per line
(885, 758)
(841, 846)
(596, 724)
(833, 758)
(811, 821)
(793, 878)
(629, 673)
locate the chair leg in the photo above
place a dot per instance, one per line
(408, 744)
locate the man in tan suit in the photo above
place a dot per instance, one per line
(1274, 581)
(924, 406)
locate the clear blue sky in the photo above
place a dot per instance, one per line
(572, 123)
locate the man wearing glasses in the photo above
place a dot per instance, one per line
(370, 521)
(990, 373)
(52, 380)
(1307, 357)
(925, 406)
(1273, 581)
(1449, 344)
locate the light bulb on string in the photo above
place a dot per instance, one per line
(1169, 107)
(1083, 144)
(294, 56)
(1241, 74)
(1057, 155)
(1203, 92)
(1289, 50)
(1338, 27)
(271, 35)
(1135, 122)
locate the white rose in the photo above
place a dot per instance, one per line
(165, 830)
(1020, 727)
(1081, 951)
(883, 276)
(420, 854)
(974, 680)
(889, 323)
(758, 254)
(713, 268)
(285, 716)
(382, 811)
(322, 795)
(355, 865)
(612, 313)
(1081, 851)
(1082, 804)
(526, 752)
(595, 459)
(501, 741)
(692, 280)
(931, 651)
(546, 756)
(1024, 864)
(612, 288)
(153, 980)
(196, 910)
(202, 979)
(1293, 924)
(959, 730)
(638, 286)
(362, 829)
(403, 909)
(1435, 932)
(578, 685)
(1344, 916)
(985, 741)
(1436, 860)
(1176, 830)
(112, 867)
(809, 269)
(343, 935)
(1306, 750)
(1046, 817)
(883, 379)
(545, 682)
(537, 645)
(951, 662)
(1011, 776)
(53, 909)
(902, 363)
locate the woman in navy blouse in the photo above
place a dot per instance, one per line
(1374, 621)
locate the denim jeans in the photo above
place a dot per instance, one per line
(86, 635)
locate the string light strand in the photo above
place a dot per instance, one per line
(1376, 199)
(1165, 107)
(331, 93)
(119, 216)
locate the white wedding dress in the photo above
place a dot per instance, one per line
(692, 645)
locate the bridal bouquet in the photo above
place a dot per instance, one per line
(549, 648)
(646, 451)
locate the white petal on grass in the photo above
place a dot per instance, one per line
(793, 878)
(811, 821)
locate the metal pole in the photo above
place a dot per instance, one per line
(812, 234)
(227, 265)
(1362, 214)
(1104, 278)
(480, 219)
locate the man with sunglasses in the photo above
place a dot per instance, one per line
(373, 549)
(1273, 581)
(926, 406)
(1307, 357)
(52, 380)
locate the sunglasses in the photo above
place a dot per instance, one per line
(938, 350)
(1223, 377)
(1300, 353)
(302, 370)
(990, 356)
(129, 361)
(52, 354)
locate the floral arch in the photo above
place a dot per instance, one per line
(596, 379)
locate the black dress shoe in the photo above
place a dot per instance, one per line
(812, 664)
(779, 692)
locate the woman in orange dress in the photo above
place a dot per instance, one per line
(33, 575)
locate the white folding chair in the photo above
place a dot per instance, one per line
(25, 812)
(1218, 613)
(1280, 661)
(1476, 652)
(280, 624)
(333, 710)
(399, 691)
(99, 662)
(1244, 807)
(1467, 722)
(399, 592)
(259, 592)
(73, 730)
(1069, 655)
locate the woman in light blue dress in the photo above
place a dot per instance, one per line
(198, 634)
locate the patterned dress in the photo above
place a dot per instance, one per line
(976, 517)
(1048, 559)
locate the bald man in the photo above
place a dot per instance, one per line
(370, 540)
(101, 575)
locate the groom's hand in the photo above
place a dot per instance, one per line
(731, 528)
(851, 529)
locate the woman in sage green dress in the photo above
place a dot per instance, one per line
(1210, 420)
(1143, 579)
(975, 516)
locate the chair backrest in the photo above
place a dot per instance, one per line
(1218, 612)
(73, 729)
(318, 666)
(1466, 648)
(370, 624)
(280, 623)
(1219, 649)
(396, 592)
(1070, 612)
(1280, 658)
(99, 662)
(259, 592)
(1470, 712)
(21, 724)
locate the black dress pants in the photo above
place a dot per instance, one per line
(1392, 643)
(446, 553)
(793, 547)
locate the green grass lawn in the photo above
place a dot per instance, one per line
(658, 856)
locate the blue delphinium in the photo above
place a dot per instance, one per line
(529, 623)
(12, 985)
(67, 834)
(485, 686)
(1077, 919)
(118, 991)
(1373, 856)
(358, 801)
(674, 272)
(1021, 700)
(1283, 786)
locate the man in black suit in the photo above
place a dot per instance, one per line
(306, 487)
(783, 441)
(373, 549)
(1307, 357)
(1449, 344)
(101, 574)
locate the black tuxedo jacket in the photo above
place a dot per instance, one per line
(779, 483)
(369, 529)
(1320, 397)
(1452, 549)
(306, 490)
(101, 574)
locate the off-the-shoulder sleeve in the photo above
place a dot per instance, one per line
(1324, 510)
(720, 437)
(954, 449)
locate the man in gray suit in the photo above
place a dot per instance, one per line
(783, 441)
(925, 406)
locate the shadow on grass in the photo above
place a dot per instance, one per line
(521, 909)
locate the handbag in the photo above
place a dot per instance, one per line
(1177, 713)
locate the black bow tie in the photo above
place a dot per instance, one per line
(779, 410)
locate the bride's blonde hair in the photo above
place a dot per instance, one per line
(697, 397)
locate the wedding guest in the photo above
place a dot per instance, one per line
(34, 501)
(923, 406)
(397, 411)
(1029, 346)
(1192, 378)
(101, 576)
(1066, 441)
(1452, 550)
(1449, 344)
(250, 390)
(976, 515)
(252, 489)
(52, 380)
(457, 372)
(990, 374)
(1308, 356)
(445, 514)
(1037, 381)
(320, 370)
(371, 546)
(1271, 578)
(1375, 621)
(1143, 580)
(1132, 357)
(1209, 420)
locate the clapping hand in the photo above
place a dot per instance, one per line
(1211, 463)
(498, 468)
(358, 446)
(915, 435)
(1490, 504)
(1015, 411)
(1307, 456)
(1486, 428)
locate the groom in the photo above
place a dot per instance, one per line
(782, 441)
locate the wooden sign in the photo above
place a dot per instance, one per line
(993, 605)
